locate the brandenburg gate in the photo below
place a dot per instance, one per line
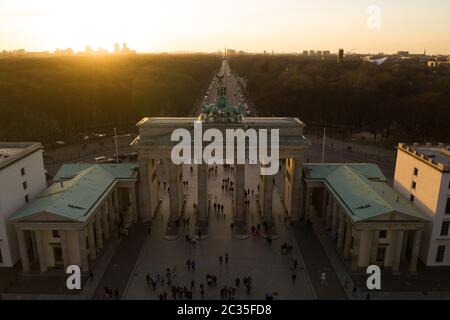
(154, 144)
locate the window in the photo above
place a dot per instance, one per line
(25, 185)
(444, 228)
(413, 185)
(381, 253)
(55, 233)
(447, 206)
(440, 254)
(382, 234)
(411, 198)
(22, 171)
(416, 171)
(27, 198)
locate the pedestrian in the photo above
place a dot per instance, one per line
(294, 277)
(220, 259)
(107, 292)
(188, 263)
(354, 291)
(192, 285)
(147, 278)
(193, 265)
(91, 275)
(226, 258)
(237, 282)
(116, 293)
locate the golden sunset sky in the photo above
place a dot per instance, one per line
(211, 25)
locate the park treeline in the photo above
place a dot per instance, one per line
(50, 99)
(399, 100)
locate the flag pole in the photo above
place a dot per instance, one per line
(115, 142)
(323, 145)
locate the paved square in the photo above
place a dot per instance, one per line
(268, 267)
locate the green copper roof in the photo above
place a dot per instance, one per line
(321, 170)
(121, 171)
(362, 191)
(80, 188)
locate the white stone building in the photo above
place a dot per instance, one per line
(368, 220)
(69, 223)
(422, 174)
(22, 178)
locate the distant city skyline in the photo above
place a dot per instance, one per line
(209, 26)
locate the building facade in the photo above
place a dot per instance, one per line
(369, 221)
(154, 146)
(70, 222)
(22, 178)
(422, 175)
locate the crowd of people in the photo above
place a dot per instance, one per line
(188, 286)
(169, 283)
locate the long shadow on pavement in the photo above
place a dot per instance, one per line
(317, 262)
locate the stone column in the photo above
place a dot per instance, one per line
(144, 188)
(329, 211)
(91, 240)
(334, 219)
(296, 195)
(112, 214)
(415, 251)
(266, 197)
(64, 250)
(23, 250)
(355, 251)
(83, 251)
(373, 255)
(176, 192)
(239, 197)
(133, 202)
(341, 230)
(398, 250)
(116, 203)
(348, 239)
(324, 208)
(202, 192)
(105, 221)
(41, 251)
(98, 229)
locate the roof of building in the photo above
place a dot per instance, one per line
(362, 190)
(437, 156)
(81, 188)
(121, 171)
(11, 152)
